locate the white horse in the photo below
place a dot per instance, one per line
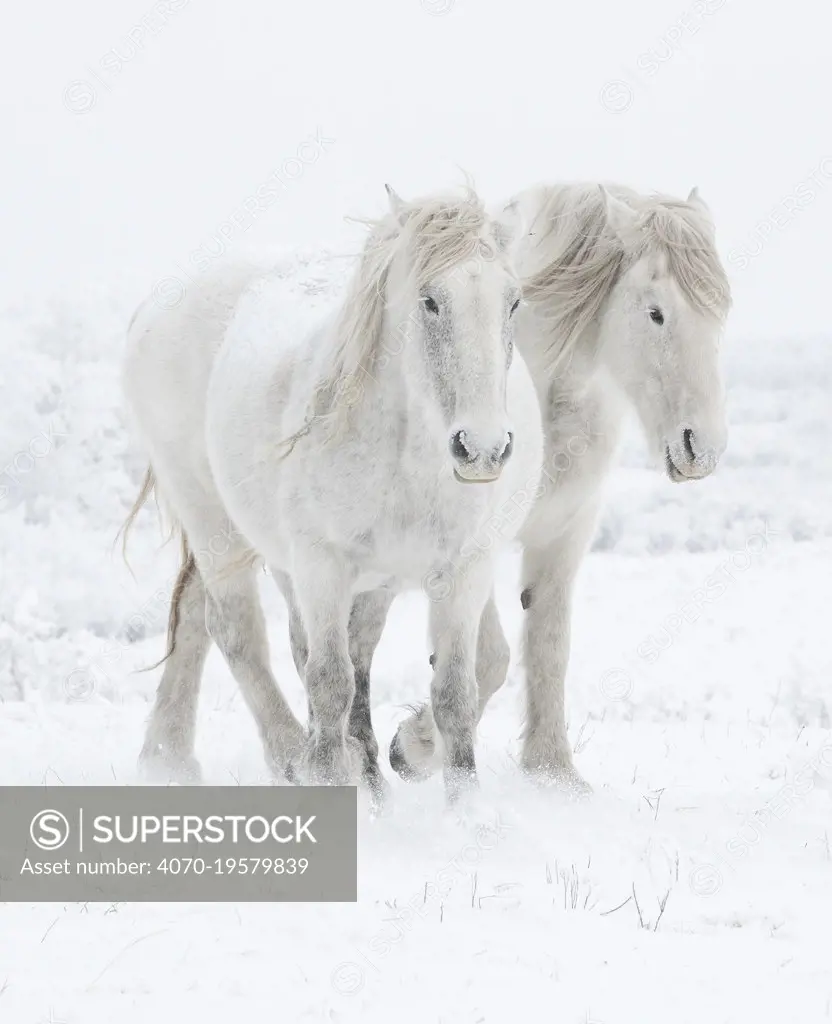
(625, 302)
(366, 454)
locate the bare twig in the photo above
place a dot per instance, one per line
(662, 905)
(638, 908)
(142, 938)
(660, 793)
(620, 905)
(580, 742)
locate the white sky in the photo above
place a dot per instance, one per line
(223, 94)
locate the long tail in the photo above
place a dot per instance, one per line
(187, 562)
(148, 488)
(187, 568)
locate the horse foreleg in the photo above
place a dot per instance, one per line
(454, 627)
(548, 580)
(416, 750)
(367, 619)
(323, 589)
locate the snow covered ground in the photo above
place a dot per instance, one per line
(704, 726)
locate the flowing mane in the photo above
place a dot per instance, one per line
(433, 234)
(582, 256)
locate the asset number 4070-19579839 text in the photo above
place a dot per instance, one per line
(233, 866)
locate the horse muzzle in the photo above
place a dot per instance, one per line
(476, 465)
(687, 458)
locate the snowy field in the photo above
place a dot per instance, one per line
(703, 724)
(695, 886)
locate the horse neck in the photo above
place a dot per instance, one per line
(579, 385)
(543, 349)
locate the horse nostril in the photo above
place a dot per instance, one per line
(458, 449)
(687, 443)
(505, 455)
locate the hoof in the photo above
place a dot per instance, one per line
(285, 759)
(378, 788)
(566, 780)
(332, 764)
(163, 767)
(462, 787)
(284, 771)
(398, 763)
(416, 751)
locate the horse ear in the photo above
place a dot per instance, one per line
(695, 199)
(508, 227)
(698, 203)
(397, 204)
(619, 216)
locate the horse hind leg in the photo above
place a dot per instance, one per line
(298, 642)
(235, 622)
(231, 612)
(168, 751)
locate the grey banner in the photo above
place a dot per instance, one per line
(204, 843)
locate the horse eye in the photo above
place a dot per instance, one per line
(656, 315)
(513, 309)
(430, 304)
